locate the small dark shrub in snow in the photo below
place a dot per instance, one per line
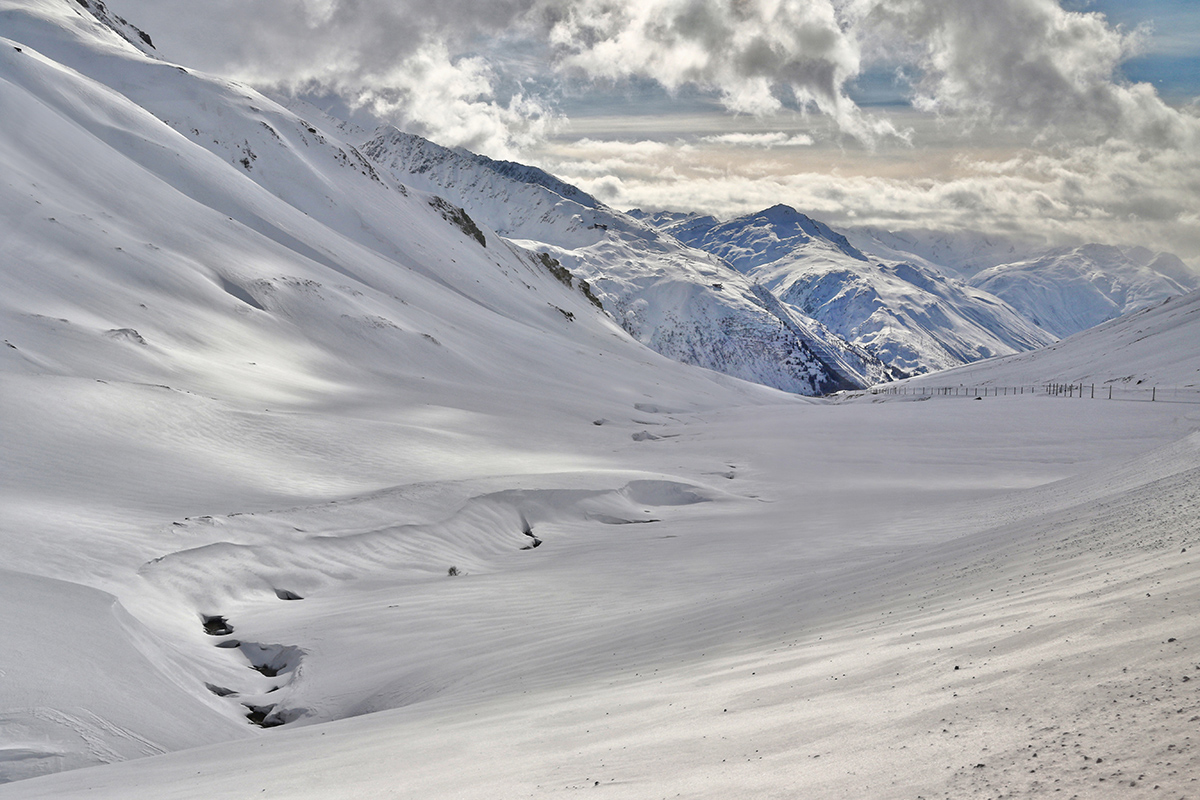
(452, 572)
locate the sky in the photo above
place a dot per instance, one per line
(1056, 121)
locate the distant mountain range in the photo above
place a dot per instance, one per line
(775, 297)
(886, 293)
(907, 314)
(681, 301)
(780, 298)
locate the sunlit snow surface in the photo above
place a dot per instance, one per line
(252, 416)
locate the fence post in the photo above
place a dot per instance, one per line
(1110, 391)
(1093, 391)
(1153, 393)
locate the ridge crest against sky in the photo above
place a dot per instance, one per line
(1053, 121)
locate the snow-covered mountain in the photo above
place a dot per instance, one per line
(906, 313)
(311, 483)
(681, 302)
(1068, 290)
(1063, 290)
(1154, 347)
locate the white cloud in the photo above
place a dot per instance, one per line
(1085, 153)
(1111, 192)
(1027, 63)
(767, 140)
(452, 102)
(406, 60)
(754, 52)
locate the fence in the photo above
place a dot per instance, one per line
(1111, 390)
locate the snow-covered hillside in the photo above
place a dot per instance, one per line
(313, 484)
(907, 314)
(191, 332)
(679, 301)
(1071, 289)
(1063, 290)
(1157, 346)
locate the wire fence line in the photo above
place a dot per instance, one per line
(1109, 390)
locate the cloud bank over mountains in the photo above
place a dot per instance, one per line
(1085, 152)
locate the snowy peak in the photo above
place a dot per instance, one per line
(69, 23)
(1068, 290)
(681, 301)
(523, 173)
(130, 33)
(907, 314)
(1173, 267)
(661, 219)
(515, 201)
(761, 238)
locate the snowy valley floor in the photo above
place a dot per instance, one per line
(860, 599)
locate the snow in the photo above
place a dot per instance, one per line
(677, 300)
(906, 313)
(1152, 347)
(826, 622)
(1069, 290)
(287, 399)
(1063, 290)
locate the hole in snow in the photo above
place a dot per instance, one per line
(271, 659)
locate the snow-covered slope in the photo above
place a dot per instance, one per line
(188, 334)
(1071, 289)
(679, 301)
(252, 417)
(127, 31)
(1063, 290)
(907, 314)
(763, 237)
(1157, 346)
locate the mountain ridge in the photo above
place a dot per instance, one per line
(908, 314)
(678, 300)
